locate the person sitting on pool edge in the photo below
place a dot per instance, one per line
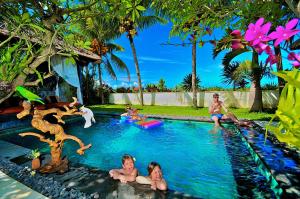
(128, 172)
(154, 178)
(216, 114)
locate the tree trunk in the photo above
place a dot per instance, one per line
(100, 86)
(295, 8)
(194, 74)
(281, 82)
(255, 89)
(137, 69)
(87, 85)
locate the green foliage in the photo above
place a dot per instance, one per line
(162, 85)
(123, 90)
(270, 86)
(14, 59)
(187, 82)
(288, 111)
(151, 88)
(34, 154)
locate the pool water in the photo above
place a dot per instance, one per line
(196, 159)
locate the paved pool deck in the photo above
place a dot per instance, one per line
(9, 187)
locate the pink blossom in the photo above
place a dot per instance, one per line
(236, 34)
(284, 33)
(272, 59)
(257, 33)
(295, 58)
(261, 47)
(236, 44)
(237, 40)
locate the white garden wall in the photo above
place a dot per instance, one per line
(236, 99)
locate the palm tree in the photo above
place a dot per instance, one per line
(231, 77)
(133, 21)
(187, 83)
(255, 88)
(101, 45)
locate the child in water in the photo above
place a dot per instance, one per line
(154, 178)
(128, 172)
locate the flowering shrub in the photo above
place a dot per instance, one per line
(288, 110)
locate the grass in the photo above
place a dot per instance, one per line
(241, 113)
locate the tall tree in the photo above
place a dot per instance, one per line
(194, 19)
(96, 28)
(133, 19)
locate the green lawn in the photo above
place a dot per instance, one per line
(182, 111)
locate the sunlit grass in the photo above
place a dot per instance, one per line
(241, 113)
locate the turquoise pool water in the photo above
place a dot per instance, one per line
(195, 159)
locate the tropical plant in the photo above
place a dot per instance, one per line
(288, 109)
(96, 28)
(187, 83)
(228, 42)
(162, 85)
(270, 86)
(151, 88)
(132, 20)
(122, 90)
(231, 77)
(34, 154)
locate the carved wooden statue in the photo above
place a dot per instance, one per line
(57, 164)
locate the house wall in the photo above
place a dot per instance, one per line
(235, 99)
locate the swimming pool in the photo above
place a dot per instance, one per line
(195, 159)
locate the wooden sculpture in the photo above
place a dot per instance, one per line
(57, 164)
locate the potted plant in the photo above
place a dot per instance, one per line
(34, 155)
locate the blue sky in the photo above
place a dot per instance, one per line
(171, 63)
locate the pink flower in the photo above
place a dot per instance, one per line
(295, 58)
(272, 59)
(282, 33)
(261, 47)
(236, 44)
(236, 34)
(237, 40)
(257, 33)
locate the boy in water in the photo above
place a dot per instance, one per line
(128, 172)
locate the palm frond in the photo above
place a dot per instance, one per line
(109, 69)
(223, 44)
(232, 54)
(114, 47)
(228, 72)
(120, 64)
(245, 70)
(147, 21)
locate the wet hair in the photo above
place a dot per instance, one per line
(215, 95)
(126, 157)
(151, 167)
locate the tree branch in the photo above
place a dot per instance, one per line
(11, 36)
(41, 137)
(36, 82)
(68, 11)
(7, 96)
(82, 148)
